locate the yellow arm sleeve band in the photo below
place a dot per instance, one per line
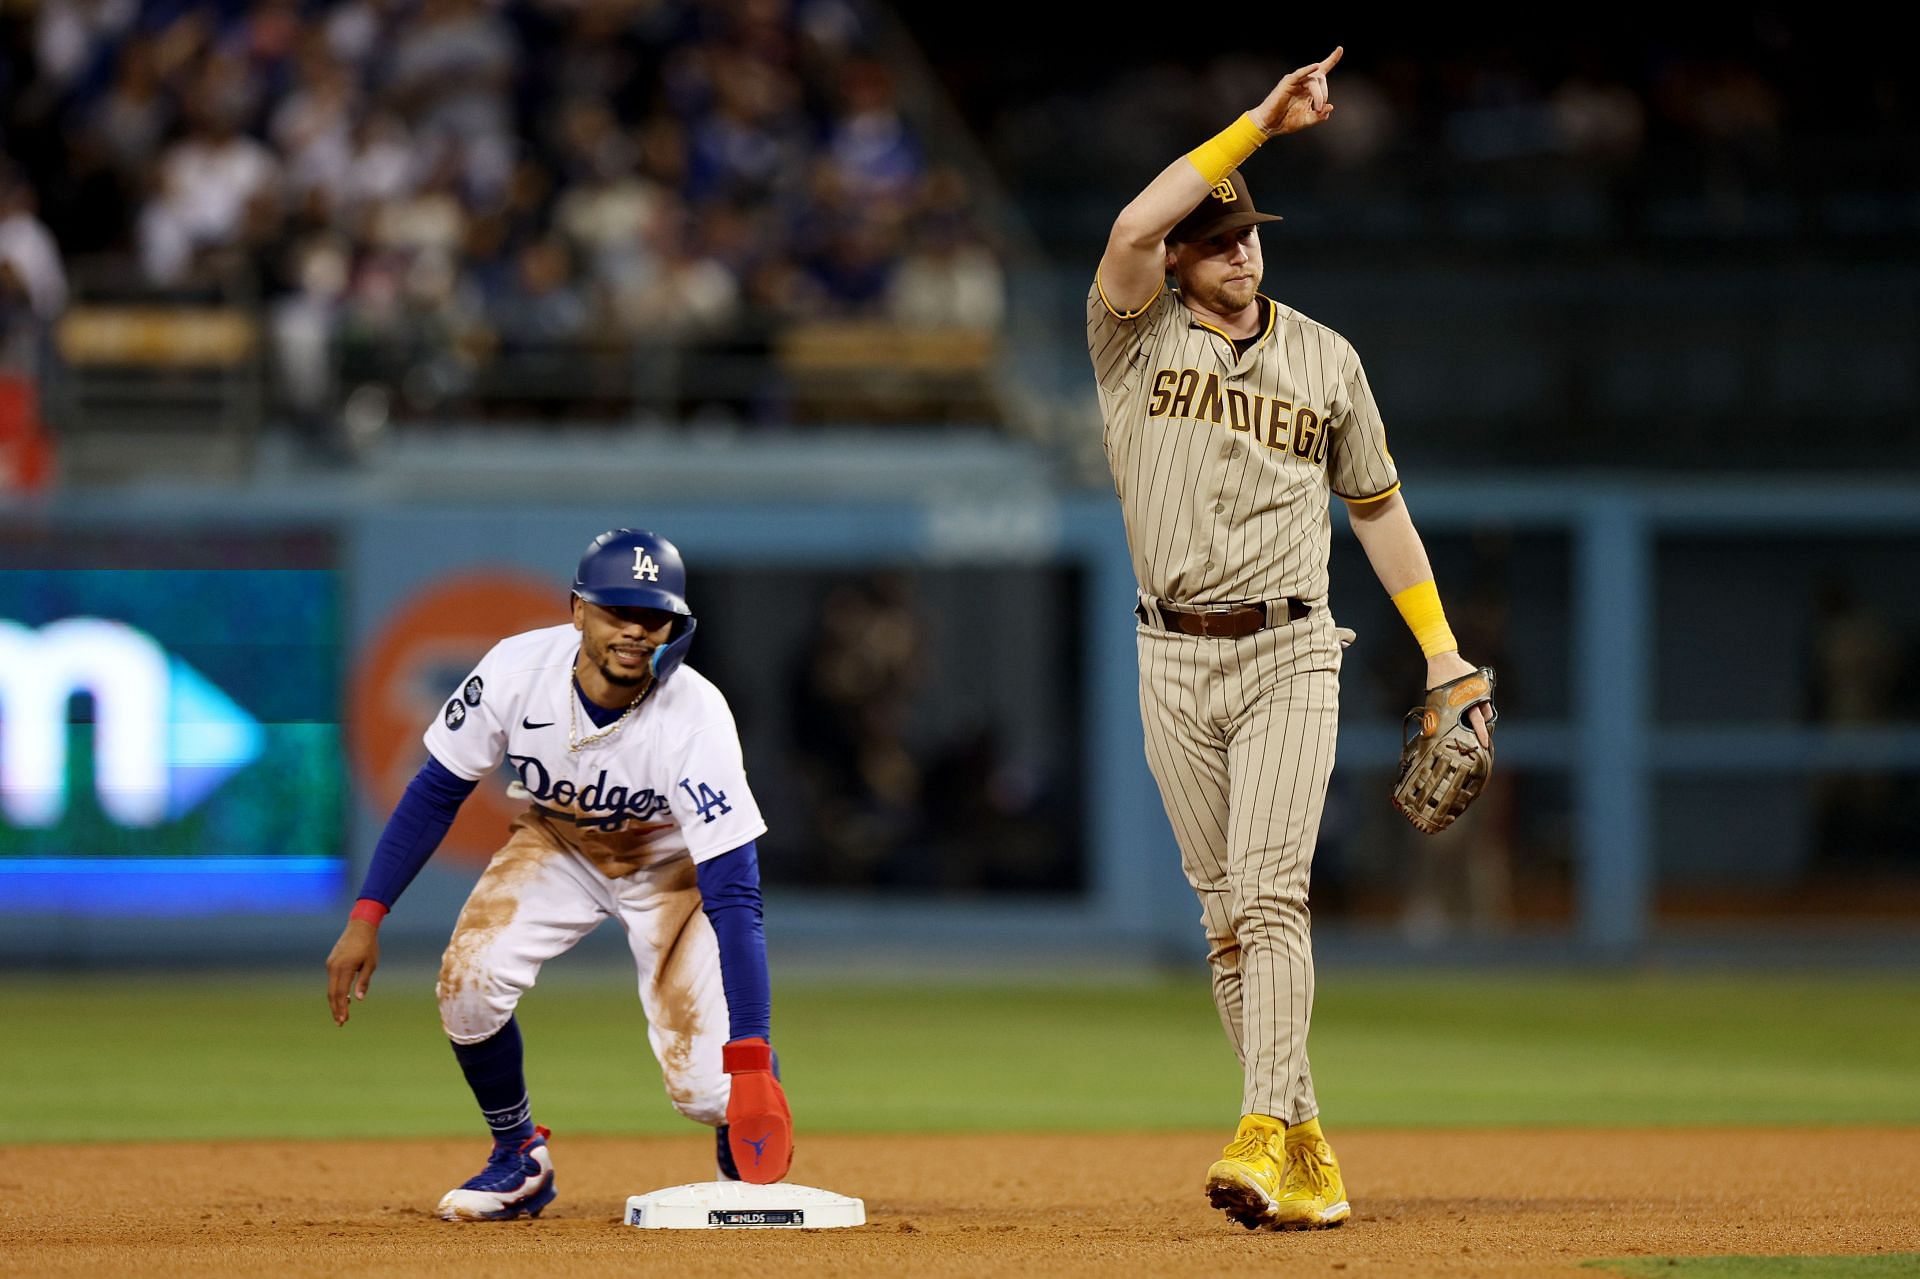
(1226, 150)
(1420, 605)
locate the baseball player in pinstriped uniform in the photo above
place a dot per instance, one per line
(1228, 419)
(639, 811)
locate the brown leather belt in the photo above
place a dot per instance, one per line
(1234, 621)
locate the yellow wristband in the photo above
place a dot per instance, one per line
(1420, 606)
(1226, 150)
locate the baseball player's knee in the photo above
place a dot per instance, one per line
(690, 1071)
(1268, 910)
(1220, 929)
(1267, 930)
(702, 1099)
(475, 998)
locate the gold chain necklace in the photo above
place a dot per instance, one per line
(577, 743)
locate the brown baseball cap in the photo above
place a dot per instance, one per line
(1228, 207)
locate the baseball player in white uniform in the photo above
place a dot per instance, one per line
(1229, 418)
(640, 812)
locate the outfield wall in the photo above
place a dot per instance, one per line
(1684, 670)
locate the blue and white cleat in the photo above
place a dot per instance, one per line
(518, 1179)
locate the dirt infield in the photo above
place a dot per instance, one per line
(1534, 1203)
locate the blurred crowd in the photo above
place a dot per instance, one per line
(1704, 126)
(480, 176)
(429, 198)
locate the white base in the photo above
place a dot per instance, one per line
(737, 1205)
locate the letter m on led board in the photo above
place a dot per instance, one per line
(163, 736)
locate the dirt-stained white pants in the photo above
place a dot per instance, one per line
(1240, 737)
(545, 890)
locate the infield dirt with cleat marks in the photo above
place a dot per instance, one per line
(1450, 1203)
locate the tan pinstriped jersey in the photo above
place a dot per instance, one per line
(1223, 463)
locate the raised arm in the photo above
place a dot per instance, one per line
(1134, 266)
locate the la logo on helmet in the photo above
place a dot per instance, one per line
(644, 569)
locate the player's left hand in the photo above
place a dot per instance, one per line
(1442, 667)
(759, 1124)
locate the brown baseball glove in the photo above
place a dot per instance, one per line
(1443, 767)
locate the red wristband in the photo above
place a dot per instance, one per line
(746, 1054)
(368, 909)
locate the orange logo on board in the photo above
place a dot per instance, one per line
(1467, 692)
(1223, 191)
(403, 675)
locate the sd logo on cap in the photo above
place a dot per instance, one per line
(1228, 207)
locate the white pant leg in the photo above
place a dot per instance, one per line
(677, 959)
(534, 901)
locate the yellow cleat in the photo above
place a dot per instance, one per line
(1312, 1196)
(1245, 1181)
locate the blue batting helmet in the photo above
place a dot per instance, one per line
(636, 568)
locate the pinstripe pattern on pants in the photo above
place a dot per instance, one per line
(1240, 739)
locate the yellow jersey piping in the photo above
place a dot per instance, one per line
(1114, 311)
(1362, 501)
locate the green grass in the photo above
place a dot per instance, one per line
(1889, 1265)
(189, 1056)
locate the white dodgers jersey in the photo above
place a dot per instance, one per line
(671, 776)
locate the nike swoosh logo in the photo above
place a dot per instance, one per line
(527, 723)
